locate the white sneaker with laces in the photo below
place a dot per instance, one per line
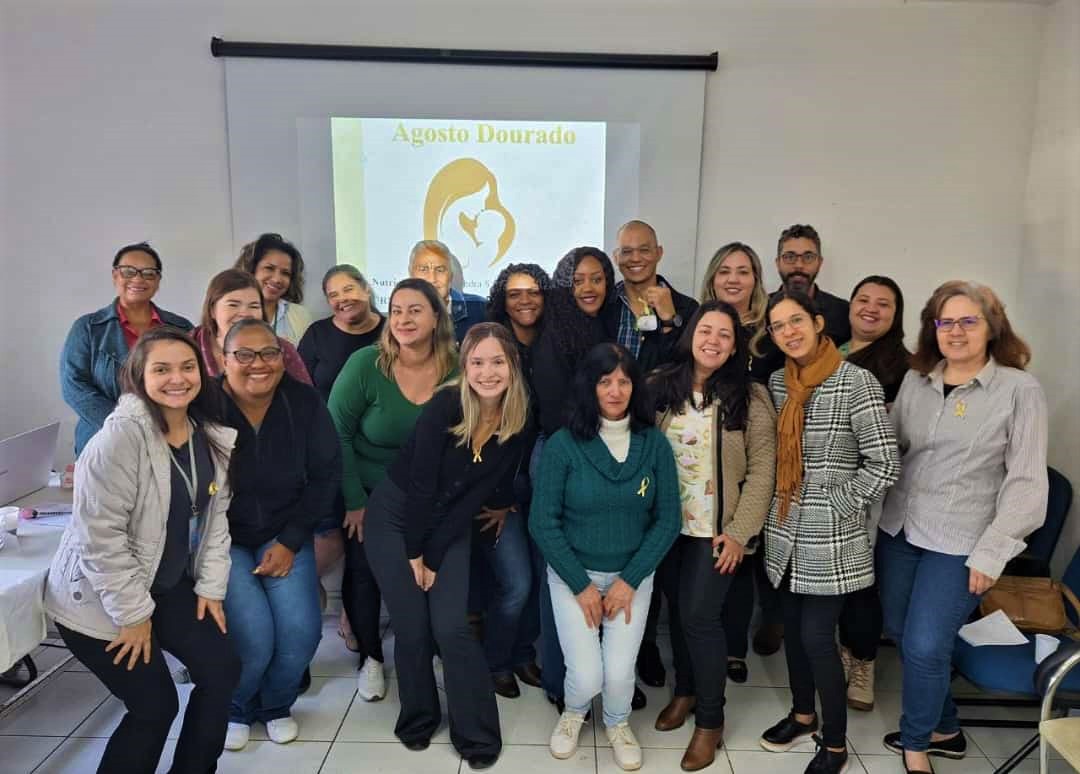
(371, 682)
(282, 730)
(236, 738)
(625, 747)
(564, 739)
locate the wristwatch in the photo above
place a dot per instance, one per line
(674, 322)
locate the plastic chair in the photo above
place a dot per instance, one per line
(1063, 734)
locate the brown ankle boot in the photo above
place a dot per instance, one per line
(701, 751)
(674, 714)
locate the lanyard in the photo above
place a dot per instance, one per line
(191, 484)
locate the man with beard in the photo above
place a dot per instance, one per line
(798, 260)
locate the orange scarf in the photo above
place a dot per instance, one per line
(800, 382)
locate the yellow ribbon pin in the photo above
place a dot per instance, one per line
(213, 488)
(961, 409)
(644, 486)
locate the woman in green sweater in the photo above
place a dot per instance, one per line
(375, 402)
(605, 511)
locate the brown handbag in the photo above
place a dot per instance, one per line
(1034, 604)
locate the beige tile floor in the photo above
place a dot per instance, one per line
(64, 724)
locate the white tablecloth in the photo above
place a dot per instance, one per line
(24, 562)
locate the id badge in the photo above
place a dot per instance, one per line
(648, 322)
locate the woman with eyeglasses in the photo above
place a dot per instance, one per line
(98, 344)
(512, 623)
(278, 267)
(231, 296)
(286, 469)
(835, 455)
(143, 564)
(972, 427)
(375, 403)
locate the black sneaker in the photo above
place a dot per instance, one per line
(787, 733)
(639, 700)
(954, 747)
(737, 671)
(650, 667)
(825, 761)
(481, 761)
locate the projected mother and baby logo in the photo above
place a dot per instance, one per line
(462, 210)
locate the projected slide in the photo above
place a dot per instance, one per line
(496, 192)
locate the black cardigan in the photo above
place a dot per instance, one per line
(445, 485)
(284, 477)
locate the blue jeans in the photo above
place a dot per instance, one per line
(275, 626)
(924, 632)
(594, 665)
(513, 623)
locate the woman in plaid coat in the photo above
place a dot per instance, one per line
(836, 454)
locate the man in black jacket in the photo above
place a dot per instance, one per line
(651, 314)
(798, 260)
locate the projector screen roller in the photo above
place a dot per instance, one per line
(495, 192)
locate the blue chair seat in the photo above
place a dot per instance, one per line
(1004, 668)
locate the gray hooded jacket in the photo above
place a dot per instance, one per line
(101, 574)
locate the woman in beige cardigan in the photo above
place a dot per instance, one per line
(722, 429)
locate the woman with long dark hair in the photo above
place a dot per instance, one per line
(604, 513)
(835, 455)
(722, 430)
(278, 267)
(877, 344)
(143, 565)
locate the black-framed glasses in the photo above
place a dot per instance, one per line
(806, 259)
(968, 323)
(131, 272)
(245, 356)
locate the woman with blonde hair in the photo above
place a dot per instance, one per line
(947, 530)
(460, 461)
(375, 402)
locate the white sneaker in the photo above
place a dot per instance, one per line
(564, 739)
(625, 747)
(236, 738)
(371, 682)
(282, 730)
(440, 678)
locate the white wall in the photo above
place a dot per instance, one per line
(902, 130)
(1048, 299)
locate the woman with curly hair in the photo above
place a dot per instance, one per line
(507, 573)
(577, 315)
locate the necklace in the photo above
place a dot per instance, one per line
(482, 430)
(191, 484)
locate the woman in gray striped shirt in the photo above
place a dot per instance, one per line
(972, 428)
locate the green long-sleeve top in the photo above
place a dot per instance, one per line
(591, 512)
(373, 421)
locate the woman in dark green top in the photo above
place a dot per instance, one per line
(375, 403)
(605, 511)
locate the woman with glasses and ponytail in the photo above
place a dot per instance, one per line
(835, 456)
(972, 427)
(98, 343)
(286, 471)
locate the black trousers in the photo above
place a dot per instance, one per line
(861, 623)
(361, 598)
(423, 621)
(739, 607)
(149, 694)
(696, 593)
(813, 660)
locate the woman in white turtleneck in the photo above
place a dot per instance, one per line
(605, 510)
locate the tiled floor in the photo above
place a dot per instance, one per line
(63, 727)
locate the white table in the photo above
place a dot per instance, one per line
(24, 563)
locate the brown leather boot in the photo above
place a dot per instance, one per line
(701, 751)
(674, 714)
